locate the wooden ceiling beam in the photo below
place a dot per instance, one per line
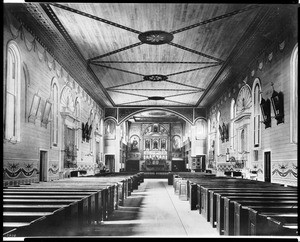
(95, 18)
(115, 51)
(201, 89)
(195, 52)
(117, 69)
(214, 19)
(195, 69)
(154, 62)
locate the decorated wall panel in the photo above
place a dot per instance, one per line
(40, 69)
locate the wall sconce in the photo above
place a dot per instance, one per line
(277, 103)
(227, 155)
(265, 106)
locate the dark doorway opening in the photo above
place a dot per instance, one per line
(132, 165)
(267, 162)
(43, 166)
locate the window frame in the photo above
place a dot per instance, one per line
(294, 96)
(13, 135)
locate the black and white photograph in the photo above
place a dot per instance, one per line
(150, 120)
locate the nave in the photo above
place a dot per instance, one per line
(154, 210)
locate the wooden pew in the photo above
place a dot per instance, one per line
(238, 185)
(225, 209)
(241, 214)
(240, 191)
(104, 198)
(272, 222)
(205, 191)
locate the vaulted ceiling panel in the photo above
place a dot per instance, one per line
(180, 54)
(187, 46)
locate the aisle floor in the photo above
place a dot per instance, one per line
(153, 211)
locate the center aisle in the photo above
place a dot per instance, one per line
(153, 211)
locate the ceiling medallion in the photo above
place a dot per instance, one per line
(156, 98)
(155, 37)
(155, 78)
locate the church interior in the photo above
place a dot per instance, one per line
(110, 107)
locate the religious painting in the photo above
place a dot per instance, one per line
(155, 128)
(155, 144)
(163, 144)
(110, 129)
(46, 113)
(34, 108)
(176, 143)
(148, 129)
(134, 142)
(147, 144)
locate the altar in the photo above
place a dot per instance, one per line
(155, 165)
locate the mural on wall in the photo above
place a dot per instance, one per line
(284, 170)
(14, 170)
(110, 129)
(67, 100)
(163, 144)
(147, 144)
(155, 144)
(134, 143)
(176, 143)
(155, 128)
(53, 169)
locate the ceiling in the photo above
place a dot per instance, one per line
(145, 54)
(156, 116)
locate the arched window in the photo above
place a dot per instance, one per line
(54, 133)
(256, 112)
(12, 107)
(232, 116)
(294, 96)
(201, 129)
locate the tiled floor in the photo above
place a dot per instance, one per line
(153, 210)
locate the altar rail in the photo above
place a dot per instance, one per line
(156, 174)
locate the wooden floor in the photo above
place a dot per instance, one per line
(152, 211)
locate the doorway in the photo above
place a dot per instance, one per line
(43, 166)
(110, 162)
(267, 163)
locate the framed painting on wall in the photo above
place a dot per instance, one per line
(134, 143)
(176, 143)
(46, 113)
(34, 108)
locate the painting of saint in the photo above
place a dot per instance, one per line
(176, 143)
(135, 143)
(147, 144)
(163, 144)
(155, 144)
